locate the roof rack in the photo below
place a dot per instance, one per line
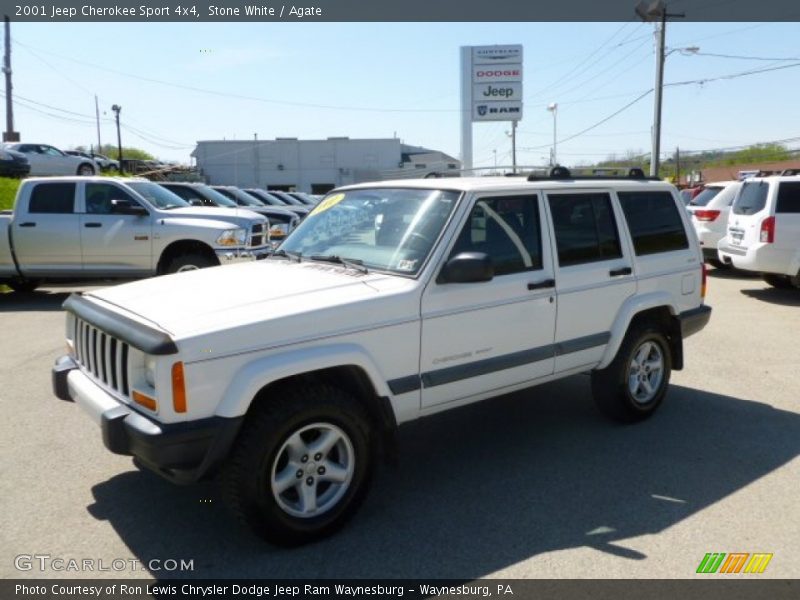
(597, 173)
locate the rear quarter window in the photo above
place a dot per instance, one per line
(788, 197)
(53, 198)
(654, 222)
(705, 196)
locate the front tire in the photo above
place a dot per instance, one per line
(632, 387)
(189, 262)
(301, 465)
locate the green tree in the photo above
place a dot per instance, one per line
(127, 152)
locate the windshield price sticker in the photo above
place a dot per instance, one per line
(327, 203)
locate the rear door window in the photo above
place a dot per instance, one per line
(788, 197)
(752, 198)
(654, 222)
(53, 198)
(585, 228)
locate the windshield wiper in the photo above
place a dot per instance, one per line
(352, 263)
(297, 256)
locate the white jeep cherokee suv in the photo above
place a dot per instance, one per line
(391, 301)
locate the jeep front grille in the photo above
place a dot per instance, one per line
(102, 356)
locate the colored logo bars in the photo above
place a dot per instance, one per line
(735, 562)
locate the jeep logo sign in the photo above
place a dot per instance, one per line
(497, 91)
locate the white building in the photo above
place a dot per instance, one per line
(315, 166)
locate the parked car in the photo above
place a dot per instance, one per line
(709, 211)
(48, 160)
(282, 221)
(304, 198)
(764, 230)
(272, 200)
(105, 163)
(67, 228)
(289, 199)
(13, 163)
(295, 373)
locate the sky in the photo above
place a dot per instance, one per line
(179, 83)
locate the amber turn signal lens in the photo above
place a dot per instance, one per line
(178, 388)
(144, 400)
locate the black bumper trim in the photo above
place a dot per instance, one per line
(694, 320)
(61, 370)
(181, 452)
(138, 335)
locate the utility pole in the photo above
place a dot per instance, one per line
(9, 135)
(97, 115)
(116, 108)
(656, 11)
(677, 166)
(660, 36)
(514, 147)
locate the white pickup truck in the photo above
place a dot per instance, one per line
(397, 300)
(67, 228)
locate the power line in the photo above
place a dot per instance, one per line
(736, 56)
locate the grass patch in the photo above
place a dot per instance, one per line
(8, 191)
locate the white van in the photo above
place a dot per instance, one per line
(764, 230)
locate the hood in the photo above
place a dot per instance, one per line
(240, 216)
(247, 294)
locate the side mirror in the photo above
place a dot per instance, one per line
(467, 267)
(126, 207)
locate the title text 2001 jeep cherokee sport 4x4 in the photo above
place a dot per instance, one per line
(396, 300)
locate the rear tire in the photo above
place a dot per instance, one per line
(301, 465)
(782, 282)
(189, 262)
(86, 170)
(23, 286)
(631, 388)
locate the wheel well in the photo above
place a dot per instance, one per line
(669, 324)
(86, 164)
(353, 380)
(183, 247)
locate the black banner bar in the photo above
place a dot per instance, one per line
(715, 587)
(373, 10)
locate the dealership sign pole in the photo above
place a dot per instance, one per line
(491, 90)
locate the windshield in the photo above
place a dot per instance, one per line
(705, 196)
(158, 196)
(266, 198)
(751, 199)
(215, 196)
(247, 199)
(385, 229)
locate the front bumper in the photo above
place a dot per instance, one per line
(181, 452)
(14, 169)
(228, 257)
(694, 320)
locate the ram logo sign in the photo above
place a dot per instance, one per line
(734, 562)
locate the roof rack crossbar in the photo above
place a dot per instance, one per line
(559, 172)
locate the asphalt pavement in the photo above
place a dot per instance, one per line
(534, 484)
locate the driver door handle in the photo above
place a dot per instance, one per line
(547, 283)
(92, 224)
(621, 271)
